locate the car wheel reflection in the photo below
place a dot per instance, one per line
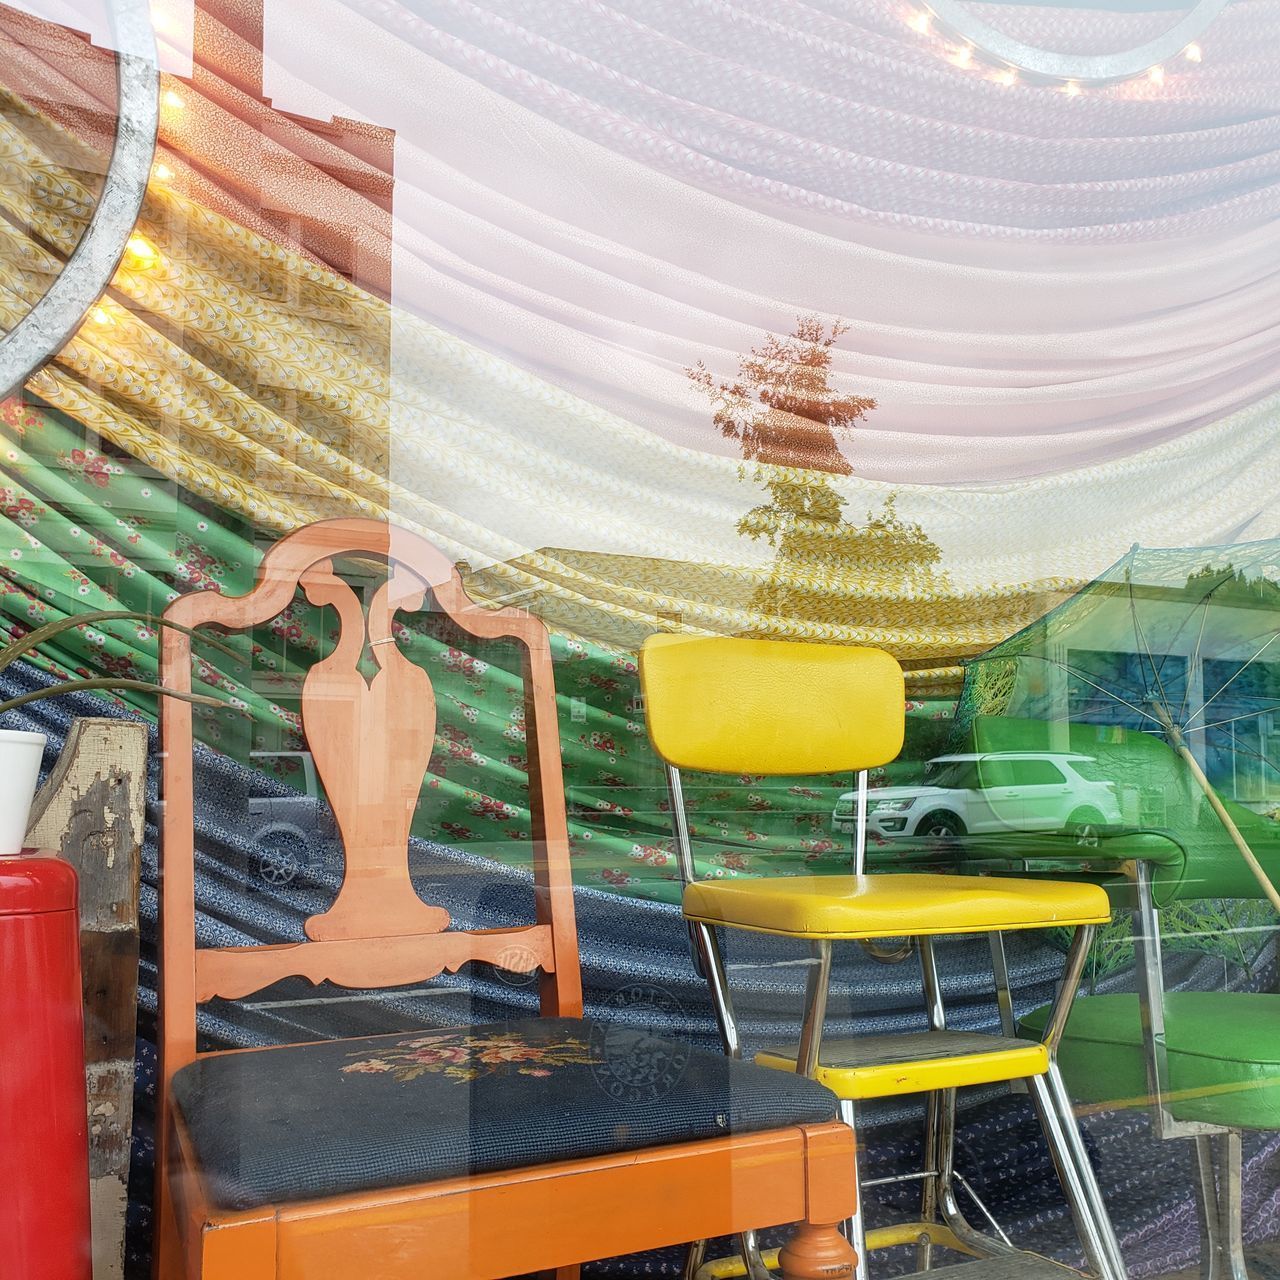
(941, 826)
(1083, 826)
(282, 856)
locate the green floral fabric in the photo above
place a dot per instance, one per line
(87, 527)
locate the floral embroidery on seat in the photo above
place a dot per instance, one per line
(464, 1057)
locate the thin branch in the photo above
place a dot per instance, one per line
(33, 639)
(106, 682)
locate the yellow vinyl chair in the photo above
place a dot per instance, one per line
(765, 707)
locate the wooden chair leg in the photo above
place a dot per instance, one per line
(817, 1251)
(246, 1251)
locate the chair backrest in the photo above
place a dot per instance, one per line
(732, 705)
(371, 741)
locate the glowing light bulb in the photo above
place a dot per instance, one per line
(141, 251)
(1008, 77)
(921, 22)
(1193, 53)
(174, 100)
(963, 56)
(162, 172)
(1156, 75)
(1071, 89)
(100, 315)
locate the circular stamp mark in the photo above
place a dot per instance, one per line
(517, 965)
(634, 1055)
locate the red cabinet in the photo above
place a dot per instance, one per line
(44, 1150)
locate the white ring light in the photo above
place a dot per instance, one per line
(1101, 68)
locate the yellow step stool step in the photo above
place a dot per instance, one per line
(916, 1062)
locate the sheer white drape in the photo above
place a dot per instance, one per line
(606, 194)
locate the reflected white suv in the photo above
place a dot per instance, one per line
(994, 791)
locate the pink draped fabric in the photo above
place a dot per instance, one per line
(608, 193)
(994, 357)
(841, 109)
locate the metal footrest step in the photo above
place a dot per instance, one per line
(916, 1062)
(1027, 1266)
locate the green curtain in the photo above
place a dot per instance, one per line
(91, 528)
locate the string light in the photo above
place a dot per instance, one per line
(141, 251)
(162, 172)
(174, 100)
(101, 315)
(1003, 60)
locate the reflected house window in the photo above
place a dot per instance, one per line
(1098, 679)
(1242, 738)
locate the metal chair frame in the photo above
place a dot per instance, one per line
(1219, 1157)
(943, 1223)
(1219, 1160)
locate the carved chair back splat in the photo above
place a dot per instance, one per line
(371, 741)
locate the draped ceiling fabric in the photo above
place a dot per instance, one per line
(1065, 308)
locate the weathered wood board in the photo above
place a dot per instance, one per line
(91, 812)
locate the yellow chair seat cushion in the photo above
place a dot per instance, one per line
(892, 905)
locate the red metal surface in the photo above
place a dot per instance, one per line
(44, 1149)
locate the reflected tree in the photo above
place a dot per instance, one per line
(789, 420)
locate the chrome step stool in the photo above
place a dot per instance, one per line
(766, 707)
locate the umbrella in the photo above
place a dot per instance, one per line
(1178, 643)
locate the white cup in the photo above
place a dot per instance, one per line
(20, 755)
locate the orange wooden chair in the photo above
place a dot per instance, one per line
(480, 1151)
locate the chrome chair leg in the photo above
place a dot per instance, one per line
(1092, 1221)
(931, 1166)
(933, 1155)
(948, 1205)
(1207, 1210)
(750, 1249)
(1219, 1206)
(708, 951)
(710, 961)
(693, 1259)
(1231, 1203)
(854, 1230)
(817, 985)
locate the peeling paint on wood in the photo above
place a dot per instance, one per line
(91, 812)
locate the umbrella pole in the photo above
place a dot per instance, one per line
(1232, 830)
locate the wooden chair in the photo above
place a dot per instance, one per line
(480, 1151)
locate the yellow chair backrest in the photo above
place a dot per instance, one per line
(726, 705)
